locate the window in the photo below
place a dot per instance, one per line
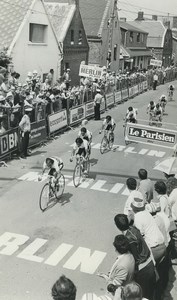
(115, 52)
(138, 37)
(80, 38)
(37, 33)
(115, 24)
(72, 37)
(131, 36)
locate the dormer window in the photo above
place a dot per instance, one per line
(80, 38)
(72, 37)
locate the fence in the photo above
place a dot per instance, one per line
(49, 118)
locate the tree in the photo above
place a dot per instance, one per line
(5, 59)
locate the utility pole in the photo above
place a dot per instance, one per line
(111, 27)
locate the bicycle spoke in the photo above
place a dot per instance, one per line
(60, 186)
(44, 197)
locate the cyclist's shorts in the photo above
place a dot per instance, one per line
(158, 113)
(82, 152)
(108, 127)
(52, 172)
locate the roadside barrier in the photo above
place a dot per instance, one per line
(49, 119)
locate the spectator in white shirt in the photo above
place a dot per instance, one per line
(145, 185)
(149, 229)
(172, 196)
(132, 187)
(161, 189)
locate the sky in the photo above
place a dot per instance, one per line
(129, 8)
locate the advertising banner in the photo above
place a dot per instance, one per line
(118, 97)
(57, 121)
(156, 62)
(135, 89)
(89, 109)
(148, 134)
(125, 94)
(38, 132)
(102, 105)
(140, 87)
(8, 142)
(131, 91)
(77, 114)
(109, 99)
(88, 70)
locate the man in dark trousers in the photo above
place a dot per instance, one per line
(25, 126)
(97, 102)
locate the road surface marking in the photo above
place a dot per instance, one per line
(116, 188)
(98, 186)
(132, 150)
(84, 258)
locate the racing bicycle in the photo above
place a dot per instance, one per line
(49, 195)
(82, 164)
(170, 95)
(107, 141)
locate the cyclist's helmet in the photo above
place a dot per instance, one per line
(151, 103)
(130, 108)
(83, 130)
(162, 97)
(79, 141)
(108, 118)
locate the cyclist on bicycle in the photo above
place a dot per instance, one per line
(171, 89)
(131, 115)
(54, 164)
(86, 135)
(80, 149)
(108, 125)
(158, 113)
(163, 102)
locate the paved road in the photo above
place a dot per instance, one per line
(75, 236)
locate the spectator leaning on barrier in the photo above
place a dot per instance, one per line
(149, 229)
(122, 271)
(64, 289)
(25, 126)
(145, 185)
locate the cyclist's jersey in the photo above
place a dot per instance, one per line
(56, 166)
(109, 125)
(151, 107)
(87, 136)
(131, 115)
(163, 99)
(83, 149)
(158, 111)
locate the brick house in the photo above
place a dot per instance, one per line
(159, 38)
(101, 24)
(135, 54)
(67, 23)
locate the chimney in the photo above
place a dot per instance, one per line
(175, 22)
(140, 16)
(123, 19)
(154, 17)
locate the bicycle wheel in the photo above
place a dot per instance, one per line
(103, 145)
(77, 175)
(44, 197)
(111, 140)
(60, 186)
(87, 165)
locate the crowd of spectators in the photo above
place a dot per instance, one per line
(145, 244)
(47, 96)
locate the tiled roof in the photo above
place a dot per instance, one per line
(93, 13)
(12, 13)
(155, 29)
(127, 26)
(60, 15)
